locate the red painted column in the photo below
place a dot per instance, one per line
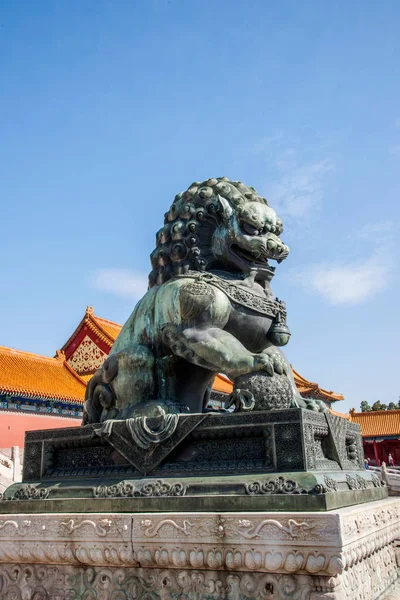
(377, 461)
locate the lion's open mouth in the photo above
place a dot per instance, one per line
(250, 258)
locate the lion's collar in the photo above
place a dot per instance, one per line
(241, 295)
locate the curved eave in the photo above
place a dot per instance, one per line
(101, 333)
(307, 387)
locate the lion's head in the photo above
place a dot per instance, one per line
(218, 224)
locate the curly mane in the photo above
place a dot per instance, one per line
(185, 241)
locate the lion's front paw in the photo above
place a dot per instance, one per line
(271, 363)
(310, 404)
(316, 405)
(280, 365)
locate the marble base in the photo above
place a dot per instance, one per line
(347, 554)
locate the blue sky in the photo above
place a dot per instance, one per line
(108, 109)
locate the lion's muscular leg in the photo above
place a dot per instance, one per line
(199, 335)
(213, 349)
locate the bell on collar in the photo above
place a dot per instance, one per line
(279, 333)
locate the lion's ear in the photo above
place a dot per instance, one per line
(227, 209)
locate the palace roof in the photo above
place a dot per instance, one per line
(105, 330)
(35, 376)
(313, 390)
(339, 414)
(377, 423)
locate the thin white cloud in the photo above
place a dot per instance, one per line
(382, 232)
(299, 190)
(358, 279)
(347, 283)
(120, 282)
(395, 150)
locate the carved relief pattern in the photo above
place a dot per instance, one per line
(28, 492)
(195, 541)
(149, 490)
(100, 527)
(280, 485)
(72, 583)
(371, 576)
(309, 446)
(357, 482)
(288, 446)
(367, 580)
(32, 461)
(87, 357)
(252, 449)
(354, 430)
(243, 296)
(293, 528)
(260, 544)
(66, 460)
(330, 484)
(364, 522)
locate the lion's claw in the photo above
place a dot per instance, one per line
(271, 363)
(263, 362)
(279, 363)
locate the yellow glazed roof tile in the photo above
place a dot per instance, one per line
(111, 328)
(34, 375)
(377, 423)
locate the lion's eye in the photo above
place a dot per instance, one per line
(249, 229)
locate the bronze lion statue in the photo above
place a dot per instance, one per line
(209, 309)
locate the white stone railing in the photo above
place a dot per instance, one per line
(390, 476)
(10, 468)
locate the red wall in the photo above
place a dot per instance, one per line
(14, 425)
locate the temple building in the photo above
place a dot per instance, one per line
(39, 392)
(381, 434)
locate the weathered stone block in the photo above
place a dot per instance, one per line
(345, 554)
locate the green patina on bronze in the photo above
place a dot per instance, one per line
(148, 442)
(209, 309)
(292, 459)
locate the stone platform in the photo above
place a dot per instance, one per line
(293, 460)
(345, 554)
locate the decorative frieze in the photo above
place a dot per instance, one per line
(64, 583)
(150, 489)
(29, 492)
(278, 485)
(305, 556)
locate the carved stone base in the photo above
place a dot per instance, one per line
(290, 460)
(348, 554)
